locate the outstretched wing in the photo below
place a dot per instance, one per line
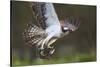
(71, 22)
(45, 14)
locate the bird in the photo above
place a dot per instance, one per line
(48, 29)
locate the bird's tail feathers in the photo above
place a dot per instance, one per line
(32, 34)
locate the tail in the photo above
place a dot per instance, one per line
(33, 34)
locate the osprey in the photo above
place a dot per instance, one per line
(49, 28)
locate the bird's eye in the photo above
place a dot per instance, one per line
(64, 29)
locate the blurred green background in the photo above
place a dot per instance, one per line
(79, 46)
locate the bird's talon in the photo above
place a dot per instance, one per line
(51, 52)
(50, 47)
(42, 53)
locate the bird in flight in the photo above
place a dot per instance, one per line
(49, 28)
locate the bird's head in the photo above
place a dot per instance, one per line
(69, 24)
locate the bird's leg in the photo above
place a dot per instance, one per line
(50, 43)
(45, 42)
(42, 44)
(44, 49)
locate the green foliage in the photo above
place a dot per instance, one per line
(55, 60)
